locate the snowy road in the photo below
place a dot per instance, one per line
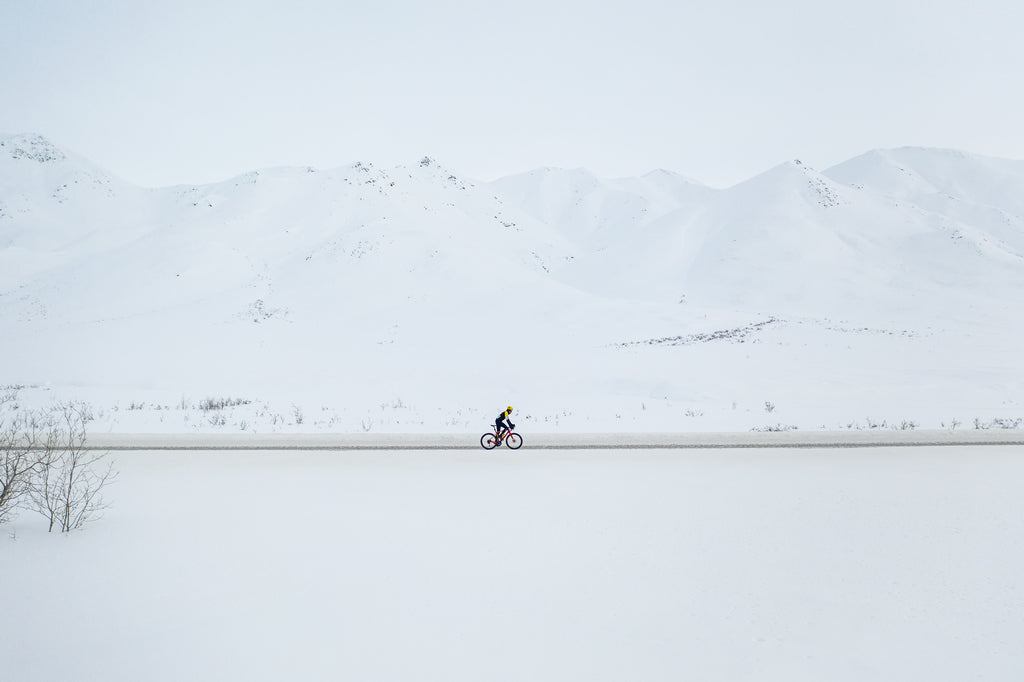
(559, 441)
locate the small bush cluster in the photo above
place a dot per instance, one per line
(775, 428)
(902, 425)
(998, 423)
(210, 404)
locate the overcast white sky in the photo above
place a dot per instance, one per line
(184, 91)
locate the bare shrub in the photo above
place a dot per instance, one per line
(67, 488)
(19, 460)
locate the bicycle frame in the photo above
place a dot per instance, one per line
(495, 438)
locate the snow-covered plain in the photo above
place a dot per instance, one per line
(803, 564)
(882, 293)
(881, 296)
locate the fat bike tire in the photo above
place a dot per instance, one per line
(487, 441)
(514, 441)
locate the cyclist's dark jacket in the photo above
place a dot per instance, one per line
(502, 419)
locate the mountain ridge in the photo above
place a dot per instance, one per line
(416, 281)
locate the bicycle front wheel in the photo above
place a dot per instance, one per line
(487, 441)
(514, 441)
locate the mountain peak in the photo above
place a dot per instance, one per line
(794, 170)
(32, 147)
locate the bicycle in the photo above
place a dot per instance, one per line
(490, 440)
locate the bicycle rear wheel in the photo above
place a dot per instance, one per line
(514, 441)
(488, 441)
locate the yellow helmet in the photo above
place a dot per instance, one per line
(508, 409)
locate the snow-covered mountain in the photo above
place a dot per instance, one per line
(415, 298)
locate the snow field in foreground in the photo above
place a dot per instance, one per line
(887, 563)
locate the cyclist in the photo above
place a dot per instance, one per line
(499, 423)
